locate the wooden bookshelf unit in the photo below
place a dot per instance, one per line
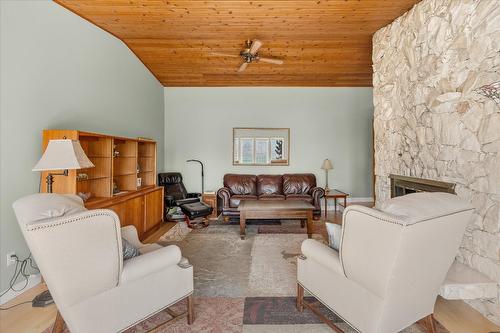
(123, 179)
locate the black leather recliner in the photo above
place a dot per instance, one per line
(175, 192)
(176, 195)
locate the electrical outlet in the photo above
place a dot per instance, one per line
(11, 258)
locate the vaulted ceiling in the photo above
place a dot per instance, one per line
(322, 43)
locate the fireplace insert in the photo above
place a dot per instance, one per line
(401, 185)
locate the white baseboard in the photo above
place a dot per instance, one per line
(341, 201)
(33, 280)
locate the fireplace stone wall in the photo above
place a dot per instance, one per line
(432, 121)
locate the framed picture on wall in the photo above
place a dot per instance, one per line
(261, 146)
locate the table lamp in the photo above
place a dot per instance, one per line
(62, 155)
(327, 166)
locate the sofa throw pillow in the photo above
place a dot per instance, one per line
(129, 251)
(334, 234)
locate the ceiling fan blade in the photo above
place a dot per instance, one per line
(271, 61)
(223, 55)
(243, 67)
(256, 44)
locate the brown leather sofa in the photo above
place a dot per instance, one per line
(239, 187)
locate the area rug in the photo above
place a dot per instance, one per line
(244, 286)
(281, 229)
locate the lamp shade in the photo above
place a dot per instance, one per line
(63, 155)
(327, 165)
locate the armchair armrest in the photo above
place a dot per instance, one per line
(151, 262)
(186, 201)
(225, 194)
(324, 255)
(317, 193)
(193, 195)
(129, 232)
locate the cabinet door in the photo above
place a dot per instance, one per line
(131, 212)
(154, 209)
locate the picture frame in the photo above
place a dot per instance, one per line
(259, 146)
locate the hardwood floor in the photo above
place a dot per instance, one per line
(456, 316)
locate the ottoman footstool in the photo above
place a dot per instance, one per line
(196, 214)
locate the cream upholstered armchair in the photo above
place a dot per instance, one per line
(79, 253)
(391, 262)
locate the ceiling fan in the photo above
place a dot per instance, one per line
(250, 54)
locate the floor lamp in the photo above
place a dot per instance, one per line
(202, 175)
(59, 155)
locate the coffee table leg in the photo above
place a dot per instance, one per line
(242, 225)
(309, 223)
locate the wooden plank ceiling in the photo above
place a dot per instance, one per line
(322, 43)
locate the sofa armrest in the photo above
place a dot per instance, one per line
(129, 232)
(324, 255)
(317, 193)
(225, 194)
(151, 262)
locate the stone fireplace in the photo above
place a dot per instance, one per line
(432, 121)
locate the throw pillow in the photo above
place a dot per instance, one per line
(129, 251)
(334, 234)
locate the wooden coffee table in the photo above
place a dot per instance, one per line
(282, 209)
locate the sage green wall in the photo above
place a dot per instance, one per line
(333, 123)
(59, 71)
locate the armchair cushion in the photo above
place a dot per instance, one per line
(150, 262)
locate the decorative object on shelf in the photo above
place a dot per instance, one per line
(62, 155)
(202, 174)
(327, 166)
(261, 146)
(116, 153)
(116, 189)
(82, 176)
(84, 195)
(139, 182)
(491, 90)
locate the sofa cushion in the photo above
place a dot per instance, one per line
(241, 184)
(269, 184)
(303, 197)
(298, 183)
(271, 197)
(235, 199)
(421, 206)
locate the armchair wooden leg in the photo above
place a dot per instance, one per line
(300, 298)
(190, 310)
(58, 324)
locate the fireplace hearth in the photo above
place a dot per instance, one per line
(402, 185)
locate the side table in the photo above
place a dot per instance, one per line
(335, 194)
(210, 198)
